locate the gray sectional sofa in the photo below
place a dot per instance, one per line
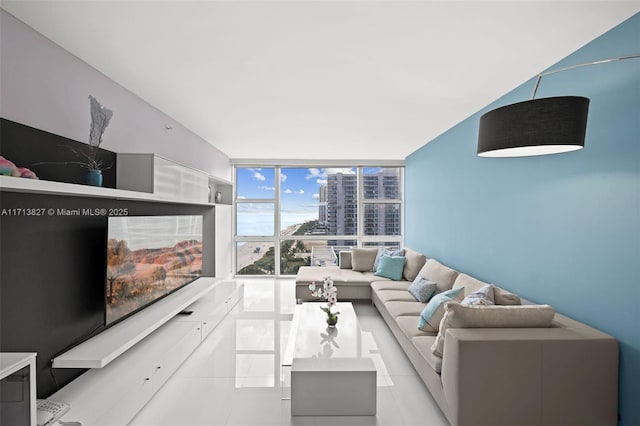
(563, 374)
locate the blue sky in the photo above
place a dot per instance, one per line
(299, 189)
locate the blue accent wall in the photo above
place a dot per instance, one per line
(561, 229)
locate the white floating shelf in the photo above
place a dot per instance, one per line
(47, 187)
(103, 348)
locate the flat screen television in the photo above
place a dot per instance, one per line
(148, 258)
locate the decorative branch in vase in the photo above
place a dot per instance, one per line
(328, 292)
(100, 118)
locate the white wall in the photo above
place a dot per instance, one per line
(44, 86)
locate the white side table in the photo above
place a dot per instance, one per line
(12, 362)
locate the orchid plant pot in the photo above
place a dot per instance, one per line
(332, 320)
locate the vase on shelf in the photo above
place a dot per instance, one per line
(94, 177)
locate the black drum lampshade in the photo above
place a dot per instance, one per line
(534, 127)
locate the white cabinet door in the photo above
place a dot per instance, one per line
(175, 356)
(177, 182)
(235, 297)
(130, 403)
(164, 178)
(213, 319)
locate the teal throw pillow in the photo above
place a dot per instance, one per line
(422, 289)
(391, 267)
(386, 252)
(434, 311)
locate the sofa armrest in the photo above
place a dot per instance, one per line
(345, 259)
(530, 376)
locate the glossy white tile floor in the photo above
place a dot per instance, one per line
(233, 378)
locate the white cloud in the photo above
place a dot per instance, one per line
(323, 173)
(241, 197)
(321, 181)
(344, 171)
(283, 177)
(267, 188)
(259, 176)
(289, 191)
(315, 196)
(315, 172)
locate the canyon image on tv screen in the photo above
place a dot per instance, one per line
(149, 257)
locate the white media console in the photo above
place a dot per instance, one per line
(130, 361)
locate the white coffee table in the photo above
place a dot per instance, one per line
(330, 374)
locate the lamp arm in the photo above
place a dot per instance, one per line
(602, 61)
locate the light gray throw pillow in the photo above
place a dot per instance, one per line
(481, 297)
(422, 289)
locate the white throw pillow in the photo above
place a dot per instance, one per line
(480, 297)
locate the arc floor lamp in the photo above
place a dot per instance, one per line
(537, 126)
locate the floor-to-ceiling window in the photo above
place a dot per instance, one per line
(287, 217)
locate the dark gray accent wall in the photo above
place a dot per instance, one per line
(50, 156)
(52, 272)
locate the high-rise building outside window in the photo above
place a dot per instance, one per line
(288, 217)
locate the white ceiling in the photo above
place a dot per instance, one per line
(320, 79)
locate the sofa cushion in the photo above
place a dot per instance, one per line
(469, 283)
(395, 295)
(348, 276)
(390, 267)
(413, 265)
(407, 324)
(480, 297)
(422, 289)
(398, 309)
(461, 316)
(440, 274)
(382, 251)
(433, 312)
(503, 297)
(423, 345)
(307, 274)
(362, 259)
(344, 259)
(389, 285)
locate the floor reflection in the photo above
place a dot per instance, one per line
(234, 378)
